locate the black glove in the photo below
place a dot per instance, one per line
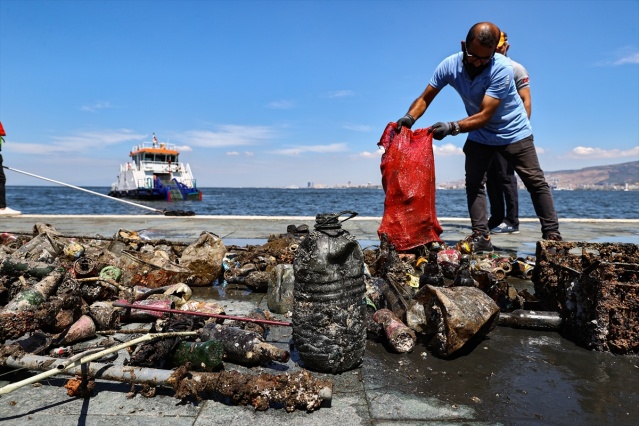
(405, 121)
(440, 130)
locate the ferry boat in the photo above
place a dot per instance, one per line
(155, 173)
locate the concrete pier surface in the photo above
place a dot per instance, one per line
(514, 376)
(232, 228)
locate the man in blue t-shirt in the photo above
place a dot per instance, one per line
(496, 122)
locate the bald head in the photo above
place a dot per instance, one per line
(486, 33)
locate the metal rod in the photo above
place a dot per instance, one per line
(201, 314)
(121, 373)
(85, 190)
(76, 361)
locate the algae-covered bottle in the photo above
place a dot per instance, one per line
(32, 297)
(243, 346)
(329, 309)
(203, 356)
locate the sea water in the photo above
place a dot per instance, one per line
(587, 204)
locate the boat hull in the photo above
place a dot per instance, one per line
(157, 195)
(155, 173)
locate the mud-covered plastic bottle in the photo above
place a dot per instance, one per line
(329, 309)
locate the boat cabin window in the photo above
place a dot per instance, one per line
(160, 158)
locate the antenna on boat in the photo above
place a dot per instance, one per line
(164, 212)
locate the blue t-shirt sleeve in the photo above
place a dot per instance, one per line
(500, 82)
(442, 74)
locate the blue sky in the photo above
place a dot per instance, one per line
(279, 93)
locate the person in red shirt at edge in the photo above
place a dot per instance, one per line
(4, 210)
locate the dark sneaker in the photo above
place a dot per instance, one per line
(553, 236)
(505, 229)
(479, 243)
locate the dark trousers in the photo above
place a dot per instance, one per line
(501, 187)
(523, 158)
(3, 181)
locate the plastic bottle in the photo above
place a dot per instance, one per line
(464, 277)
(281, 285)
(432, 274)
(329, 309)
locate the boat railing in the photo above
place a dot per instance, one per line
(165, 168)
(162, 145)
(128, 166)
(188, 182)
(153, 166)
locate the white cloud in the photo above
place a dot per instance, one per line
(539, 150)
(621, 56)
(376, 154)
(340, 93)
(317, 149)
(282, 104)
(184, 148)
(96, 106)
(80, 142)
(236, 153)
(36, 149)
(357, 127)
(632, 58)
(583, 152)
(447, 150)
(228, 135)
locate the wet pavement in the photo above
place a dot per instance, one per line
(513, 376)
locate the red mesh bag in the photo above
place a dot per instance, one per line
(408, 178)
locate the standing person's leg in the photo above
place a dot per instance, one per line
(3, 181)
(495, 192)
(511, 196)
(478, 158)
(523, 157)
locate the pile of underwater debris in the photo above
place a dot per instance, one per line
(595, 288)
(62, 294)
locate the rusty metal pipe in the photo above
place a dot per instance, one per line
(295, 390)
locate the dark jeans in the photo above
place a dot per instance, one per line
(3, 181)
(523, 157)
(501, 186)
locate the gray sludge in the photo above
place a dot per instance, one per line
(329, 313)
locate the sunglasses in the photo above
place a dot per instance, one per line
(475, 58)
